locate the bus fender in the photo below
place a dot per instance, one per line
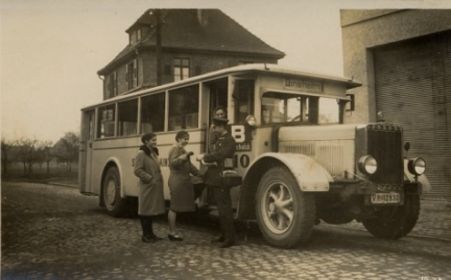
(116, 162)
(309, 174)
(422, 181)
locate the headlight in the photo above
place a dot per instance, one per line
(368, 164)
(417, 166)
(251, 121)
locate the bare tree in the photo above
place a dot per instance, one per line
(44, 154)
(26, 149)
(6, 156)
(66, 149)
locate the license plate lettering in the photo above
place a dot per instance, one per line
(385, 198)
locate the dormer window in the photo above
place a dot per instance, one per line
(135, 36)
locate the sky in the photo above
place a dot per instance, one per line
(51, 50)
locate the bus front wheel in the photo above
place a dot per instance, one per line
(285, 215)
(111, 193)
(394, 222)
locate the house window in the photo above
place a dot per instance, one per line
(131, 73)
(135, 36)
(181, 69)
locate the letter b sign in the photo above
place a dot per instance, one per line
(238, 133)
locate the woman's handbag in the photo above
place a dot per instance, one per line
(230, 178)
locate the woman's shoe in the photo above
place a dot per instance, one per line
(148, 239)
(152, 238)
(156, 238)
(175, 237)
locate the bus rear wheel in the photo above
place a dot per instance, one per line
(285, 214)
(115, 205)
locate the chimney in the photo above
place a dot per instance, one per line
(201, 17)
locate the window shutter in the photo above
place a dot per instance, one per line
(135, 72)
(167, 69)
(115, 83)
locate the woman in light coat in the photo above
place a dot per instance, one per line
(180, 186)
(150, 197)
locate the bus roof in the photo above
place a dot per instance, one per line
(245, 68)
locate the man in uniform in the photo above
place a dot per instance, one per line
(218, 158)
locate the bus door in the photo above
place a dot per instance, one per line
(243, 97)
(86, 152)
(243, 100)
(217, 97)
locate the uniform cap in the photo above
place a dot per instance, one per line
(220, 121)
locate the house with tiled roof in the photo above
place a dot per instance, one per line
(167, 45)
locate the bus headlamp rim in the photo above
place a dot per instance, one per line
(368, 164)
(417, 166)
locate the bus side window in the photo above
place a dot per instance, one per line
(184, 108)
(105, 124)
(127, 118)
(152, 113)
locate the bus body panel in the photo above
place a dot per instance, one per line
(332, 146)
(309, 174)
(122, 152)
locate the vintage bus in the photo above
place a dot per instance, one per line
(299, 163)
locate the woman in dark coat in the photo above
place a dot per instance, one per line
(180, 186)
(150, 196)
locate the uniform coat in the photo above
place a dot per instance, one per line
(180, 185)
(150, 197)
(223, 148)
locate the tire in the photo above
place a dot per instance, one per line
(285, 215)
(394, 222)
(111, 194)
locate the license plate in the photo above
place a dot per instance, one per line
(385, 198)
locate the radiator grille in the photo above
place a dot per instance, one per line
(385, 145)
(306, 149)
(335, 156)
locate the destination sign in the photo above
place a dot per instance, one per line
(304, 85)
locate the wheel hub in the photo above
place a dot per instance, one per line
(278, 207)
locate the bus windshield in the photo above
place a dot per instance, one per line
(280, 107)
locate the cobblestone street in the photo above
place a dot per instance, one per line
(53, 232)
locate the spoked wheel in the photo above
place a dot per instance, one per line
(285, 214)
(111, 193)
(394, 222)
